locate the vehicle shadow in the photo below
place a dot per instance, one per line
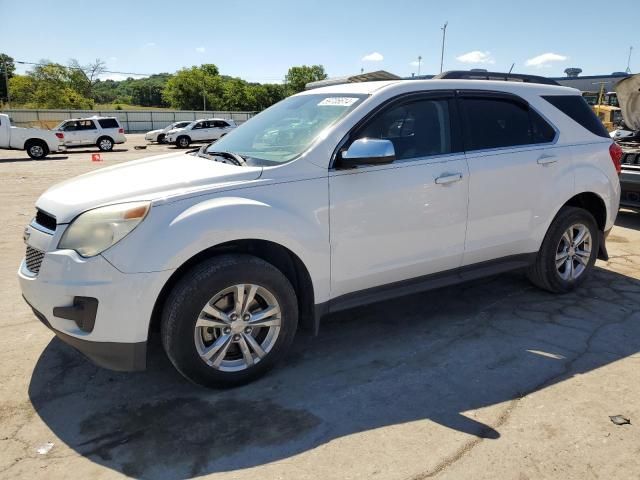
(94, 150)
(27, 159)
(429, 356)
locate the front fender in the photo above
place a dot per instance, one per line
(293, 214)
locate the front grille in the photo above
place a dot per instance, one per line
(46, 220)
(33, 259)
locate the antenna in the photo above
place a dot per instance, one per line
(512, 65)
(628, 70)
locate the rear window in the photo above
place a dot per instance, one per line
(577, 108)
(108, 123)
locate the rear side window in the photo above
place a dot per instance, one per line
(501, 122)
(108, 123)
(577, 108)
(417, 129)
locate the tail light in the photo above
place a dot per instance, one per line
(59, 134)
(121, 130)
(616, 156)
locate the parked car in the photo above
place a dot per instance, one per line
(368, 192)
(36, 142)
(628, 137)
(158, 135)
(205, 130)
(103, 132)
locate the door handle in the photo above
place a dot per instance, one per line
(448, 178)
(546, 159)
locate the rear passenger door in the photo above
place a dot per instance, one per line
(515, 174)
(87, 132)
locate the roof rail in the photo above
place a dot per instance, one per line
(507, 77)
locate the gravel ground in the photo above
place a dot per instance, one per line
(491, 379)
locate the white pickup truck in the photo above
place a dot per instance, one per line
(37, 142)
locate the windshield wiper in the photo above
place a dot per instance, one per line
(229, 157)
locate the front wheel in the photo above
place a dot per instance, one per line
(229, 320)
(183, 142)
(568, 252)
(160, 138)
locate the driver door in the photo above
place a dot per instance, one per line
(407, 219)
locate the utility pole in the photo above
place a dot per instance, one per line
(419, 63)
(204, 97)
(6, 82)
(628, 70)
(444, 34)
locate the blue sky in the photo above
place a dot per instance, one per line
(260, 40)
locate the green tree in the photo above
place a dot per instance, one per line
(298, 77)
(6, 62)
(189, 88)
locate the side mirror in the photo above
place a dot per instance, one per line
(368, 151)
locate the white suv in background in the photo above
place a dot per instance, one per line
(158, 135)
(331, 198)
(103, 132)
(206, 130)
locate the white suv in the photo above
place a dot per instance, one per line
(103, 132)
(332, 198)
(205, 130)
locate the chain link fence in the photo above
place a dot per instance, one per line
(133, 121)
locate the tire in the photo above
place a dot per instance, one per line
(36, 149)
(105, 144)
(186, 341)
(160, 138)
(183, 141)
(559, 277)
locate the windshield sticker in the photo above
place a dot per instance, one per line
(338, 101)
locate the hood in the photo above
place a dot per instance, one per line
(147, 179)
(628, 91)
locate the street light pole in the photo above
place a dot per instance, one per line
(419, 62)
(444, 34)
(6, 82)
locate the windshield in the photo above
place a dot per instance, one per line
(288, 128)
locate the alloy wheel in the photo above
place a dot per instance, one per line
(573, 252)
(237, 327)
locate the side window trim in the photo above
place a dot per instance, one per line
(457, 145)
(505, 96)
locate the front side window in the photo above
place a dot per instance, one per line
(417, 129)
(198, 126)
(285, 130)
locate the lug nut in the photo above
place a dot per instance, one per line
(247, 330)
(236, 338)
(246, 317)
(227, 330)
(233, 317)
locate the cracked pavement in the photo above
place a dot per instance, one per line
(490, 379)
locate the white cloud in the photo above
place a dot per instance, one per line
(476, 56)
(373, 57)
(200, 49)
(545, 60)
(150, 44)
(414, 63)
(113, 59)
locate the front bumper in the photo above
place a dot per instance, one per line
(117, 335)
(124, 357)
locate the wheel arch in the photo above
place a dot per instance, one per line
(30, 141)
(277, 255)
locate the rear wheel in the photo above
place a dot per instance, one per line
(229, 320)
(37, 149)
(105, 144)
(183, 141)
(568, 252)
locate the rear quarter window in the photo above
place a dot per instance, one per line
(576, 107)
(108, 123)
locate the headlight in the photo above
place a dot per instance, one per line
(96, 230)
